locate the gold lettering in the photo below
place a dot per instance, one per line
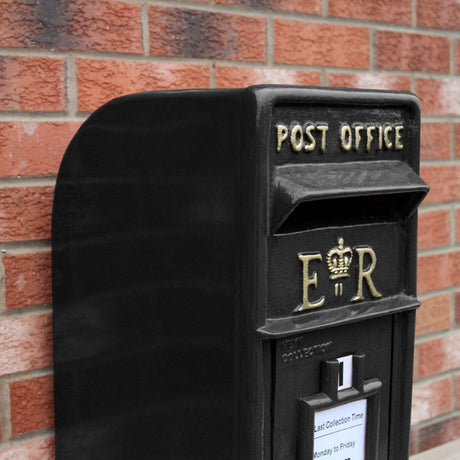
(297, 138)
(282, 136)
(323, 129)
(311, 137)
(309, 281)
(398, 143)
(358, 129)
(386, 131)
(345, 137)
(366, 273)
(311, 146)
(369, 137)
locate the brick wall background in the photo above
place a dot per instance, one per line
(61, 59)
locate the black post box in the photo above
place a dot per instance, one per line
(234, 276)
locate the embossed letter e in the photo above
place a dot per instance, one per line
(309, 281)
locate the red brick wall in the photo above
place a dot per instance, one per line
(61, 60)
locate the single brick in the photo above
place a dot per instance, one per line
(25, 343)
(398, 11)
(457, 225)
(457, 312)
(431, 399)
(25, 213)
(457, 390)
(231, 77)
(369, 80)
(32, 404)
(33, 148)
(439, 355)
(438, 271)
(299, 6)
(35, 449)
(433, 315)
(105, 25)
(438, 433)
(190, 33)
(415, 369)
(413, 440)
(457, 139)
(444, 182)
(457, 56)
(122, 77)
(434, 229)
(402, 51)
(306, 43)
(439, 96)
(435, 141)
(439, 14)
(28, 279)
(31, 84)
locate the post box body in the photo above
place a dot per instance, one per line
(229, 266)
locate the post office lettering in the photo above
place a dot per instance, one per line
(360, 137)
(349, 137)
(302, 138)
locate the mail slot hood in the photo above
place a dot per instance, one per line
(318, 195)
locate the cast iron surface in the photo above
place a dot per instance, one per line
(144, 275)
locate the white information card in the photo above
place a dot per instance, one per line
(340, 432)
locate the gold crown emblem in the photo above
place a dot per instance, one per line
(338, 260)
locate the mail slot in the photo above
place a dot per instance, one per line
(234, 276)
